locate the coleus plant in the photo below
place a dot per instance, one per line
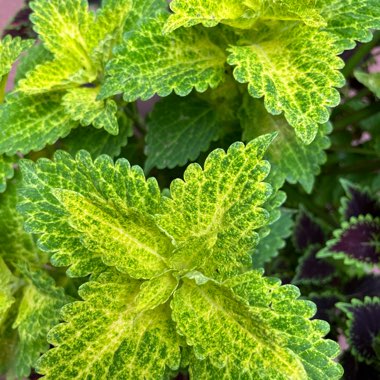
(163, 280)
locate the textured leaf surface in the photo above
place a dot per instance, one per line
(281, 63)
(243, 338)
(63, 27)
(178, 130)
(357, 242)
(98, 141)
(363, 327)
(79, 39)
(269, 245)
(6, 171)
(98, 212)
(37, 314)
(217, 209)
(15, 243)
(140, 344)
(156, 291)
(52, 75)
(350, 21)
(10, 49)
(81, 104)
(289, 156)
(288, 10)
(7, 282)
(142, 11)
(31, 122)
(35, 56)
(209, 13)
(179, 62)
(372, 81)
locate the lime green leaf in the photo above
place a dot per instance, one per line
(98, 141)
(126, 238)
(10, 49)
(31, 122)
(269, 245)
(142, 11)
(37, 314)
(7, 287)
(372, 81)
(99, 212)
(263, 331)
(212, 215)
(107, 30)
(209, 13)
(288, 10)
(110, 18)
(139, 344)
(6, 171)
(178, 130)
(35, 56)
(187, 59)
(281, 63)
(241, 14)
(81, 104)
(59, 74)
(63, 27)
(8, 338)
(350, 20)
(291, 159)
(156, 291)
(15, 243)
(79, 40)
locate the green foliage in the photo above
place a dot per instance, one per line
(6, 171)
(269, 245)
(291, 159)
(178, 130)
(187, 60)
(108, 274)
(108, 215)
(31, 122)
(29, 299)
(279, 57)
(372, 81)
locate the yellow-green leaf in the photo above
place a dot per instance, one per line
(99, 213)
(82, 105)
(212, 215)
(281, 63)
(177, 62)
(107, 337)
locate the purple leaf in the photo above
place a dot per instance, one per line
(360, 241)
(358, 202)
(366, 286)
(363, 326)
(312, 269)
(307, 232)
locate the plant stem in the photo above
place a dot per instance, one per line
(360, 115)
(3, 85)
(360, 54)
(134, 114)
